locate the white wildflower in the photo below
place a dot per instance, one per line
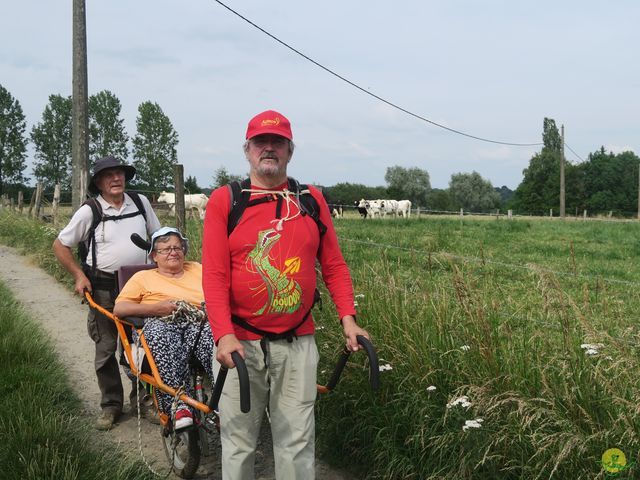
(320, 327)
(431, 388)
(591, 352)
(477, 423)
(465, 348)
(384, 367)
(463, 401)
(355, 304)
(360, 295)
(591, 346)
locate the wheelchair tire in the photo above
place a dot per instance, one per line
(183, 451)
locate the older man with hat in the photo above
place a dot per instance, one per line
(262, 239)
(101, 228)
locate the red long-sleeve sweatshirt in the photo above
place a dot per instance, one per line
(264, 272)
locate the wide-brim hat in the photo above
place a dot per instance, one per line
(105, 163)
(269, 122)
(161, 232)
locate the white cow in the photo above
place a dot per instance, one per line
(388, 207)
(372, 207)
(196, 200)
(404, 208)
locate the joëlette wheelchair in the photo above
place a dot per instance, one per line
(184, 447)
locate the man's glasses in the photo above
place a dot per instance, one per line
(275, 141)
(169, 250)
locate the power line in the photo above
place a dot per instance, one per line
(377, 97)
(571, 149)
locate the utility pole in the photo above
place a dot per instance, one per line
(80, 109)
(638, 191)
(562, 171)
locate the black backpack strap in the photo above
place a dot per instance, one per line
(288, 335)
(238, 201)
(308, 203)
(135, 196)
(89, 242)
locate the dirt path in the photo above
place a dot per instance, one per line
(62, 315)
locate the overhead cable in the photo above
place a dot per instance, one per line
(377, 97)
(572, 151)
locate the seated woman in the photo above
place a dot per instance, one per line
(171, 295)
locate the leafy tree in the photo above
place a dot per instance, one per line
(611, 182)
(52, 141)
(439, 199)
(222, 177)
(191, 185)
(472, 192)
(107, 135)
(13, 143)
(408, 184)
(154, 147)
(349, 193)
(539, 190)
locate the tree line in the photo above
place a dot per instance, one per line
(604, 182)
(153, 146)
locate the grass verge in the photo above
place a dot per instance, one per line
(42, 436)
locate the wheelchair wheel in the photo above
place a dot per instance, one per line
(183, 451)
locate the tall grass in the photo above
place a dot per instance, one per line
(497, 311)
(43, 435)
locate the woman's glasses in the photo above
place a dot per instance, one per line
(169, 250)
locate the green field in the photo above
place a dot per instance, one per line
(494, 310)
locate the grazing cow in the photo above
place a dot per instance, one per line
(336, 210)
(362, 207)
(388, 207)
(372, 206)
(404, 208)
(196, 200)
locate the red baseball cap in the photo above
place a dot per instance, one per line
(269, 122)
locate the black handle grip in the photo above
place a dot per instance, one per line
(337, 371)
(217, 388)
(243, 378)
(374, 370)
(140, 242)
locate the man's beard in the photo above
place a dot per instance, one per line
(272, 169)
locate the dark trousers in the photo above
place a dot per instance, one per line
(104, 334)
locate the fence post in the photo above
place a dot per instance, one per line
(178, 181)
(56, 203)
(498, 214)
(461, 212)
(509, 214)
(584, 215)
(418, 212)
(37, 202)
(20, 201)
(551, 212)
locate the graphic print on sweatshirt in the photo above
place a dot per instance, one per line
(284, 294)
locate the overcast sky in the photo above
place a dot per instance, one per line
(493, 69)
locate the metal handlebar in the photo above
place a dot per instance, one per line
(243, 379)
(374, 371)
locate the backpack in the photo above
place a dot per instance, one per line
(99, 216)
(308, 206)
(240, 202)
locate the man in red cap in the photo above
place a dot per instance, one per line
(261, 242)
